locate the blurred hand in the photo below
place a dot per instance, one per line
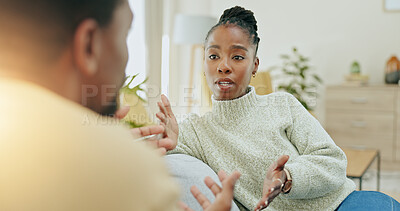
(155, 141)
(223, 196)
(168, 120)
(273, 182)
(122, 112)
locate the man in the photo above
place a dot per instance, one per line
(61, 65)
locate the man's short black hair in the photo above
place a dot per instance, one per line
(56, 18)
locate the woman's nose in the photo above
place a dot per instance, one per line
(224, 67)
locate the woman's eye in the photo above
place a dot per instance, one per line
(212, 57)
(238, 57)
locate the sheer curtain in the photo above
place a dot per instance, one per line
(136, 42)
(144, 46)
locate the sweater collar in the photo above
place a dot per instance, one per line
(236, 108)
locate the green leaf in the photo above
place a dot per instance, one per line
(303, 58)
(302, 75)
(304, 68)
(284, 56)
(132, 124)
(133, 77)
(135, 89)
(296, 65)
(317, 78)
(295, 71)
(304, 104)
(282, 87)
(313, 85)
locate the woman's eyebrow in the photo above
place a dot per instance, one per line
(238, 47)
(214, 46)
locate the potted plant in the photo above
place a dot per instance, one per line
(130, 96)
(298, 78)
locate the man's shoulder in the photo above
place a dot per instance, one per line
(33, 113)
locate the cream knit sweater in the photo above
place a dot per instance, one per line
(249, 133)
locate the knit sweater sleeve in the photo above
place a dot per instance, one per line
(188, 141)
(321, 166)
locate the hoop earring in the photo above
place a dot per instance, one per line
(254, 75)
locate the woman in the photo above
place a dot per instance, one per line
(247, 132)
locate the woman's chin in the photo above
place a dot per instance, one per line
(224, 90)
(224, 96)
(218, 95)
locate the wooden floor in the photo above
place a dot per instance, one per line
(390, 182)
(394, 195)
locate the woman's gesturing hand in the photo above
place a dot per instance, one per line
(168, 120)
(223, 196)
(273, 182)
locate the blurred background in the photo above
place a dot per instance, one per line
(352, 46)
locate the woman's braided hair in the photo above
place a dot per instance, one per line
(239, 16)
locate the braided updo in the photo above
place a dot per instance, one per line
(239, 16)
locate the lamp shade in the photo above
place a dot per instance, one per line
(191, 29)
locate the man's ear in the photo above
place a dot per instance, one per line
(256, 64)
(87, 47)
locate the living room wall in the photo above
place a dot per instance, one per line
(332, 33)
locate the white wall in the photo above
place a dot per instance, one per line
(332, 33)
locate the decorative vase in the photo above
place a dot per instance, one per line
(355, 68)
(392, 70)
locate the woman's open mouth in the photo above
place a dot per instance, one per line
(224, 84)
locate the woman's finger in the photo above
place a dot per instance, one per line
(167, 105)
(222, 175)
(161, 117)
(212, 185)
(162, 124)
(200, 197)
(162, 108)
(272, 195)
(229, 184)
(275, 185)
(273, 191)
(280, 163)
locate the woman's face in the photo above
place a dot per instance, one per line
(229, 62)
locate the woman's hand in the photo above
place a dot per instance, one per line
(168, 120)
(223, 196)
(273, 182)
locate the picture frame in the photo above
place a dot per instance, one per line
(391, 5)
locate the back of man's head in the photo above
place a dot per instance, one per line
(67, 45)
(40, 29)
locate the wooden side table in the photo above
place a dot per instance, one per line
(358, 162)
